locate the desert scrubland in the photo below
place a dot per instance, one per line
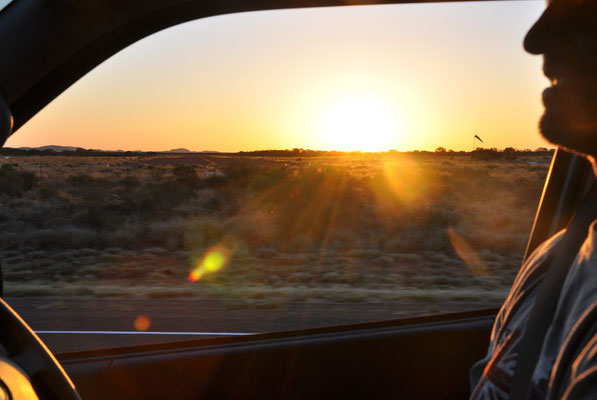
(429, 229)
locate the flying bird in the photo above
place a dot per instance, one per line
(477, 137)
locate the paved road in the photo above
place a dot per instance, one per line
(188, 315)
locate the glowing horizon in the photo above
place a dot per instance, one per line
(368, 78)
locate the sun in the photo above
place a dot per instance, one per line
(357, 123)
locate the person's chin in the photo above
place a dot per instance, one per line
(569, 133)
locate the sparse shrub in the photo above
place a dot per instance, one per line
(239, 171)
(486, 154)
(47, 191)
(156, 198)
(186, 175)
(510, 153)
(156, 173)
(14, 182)
(215, 181)
(264, 179)
(81, 180)
(130, 183)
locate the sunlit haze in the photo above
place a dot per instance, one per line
(372, 78)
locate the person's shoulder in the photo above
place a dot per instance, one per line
(587, 250)
(533, 269)
(545, 248)
(521, 297)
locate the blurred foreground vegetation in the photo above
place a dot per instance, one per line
(361, 228)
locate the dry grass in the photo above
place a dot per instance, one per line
(365, 228)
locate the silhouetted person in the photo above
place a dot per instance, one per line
(564, 362)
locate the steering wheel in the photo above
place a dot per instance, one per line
(28, 370)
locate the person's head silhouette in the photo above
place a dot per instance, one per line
(566, 35)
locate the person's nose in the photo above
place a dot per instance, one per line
(538, 37)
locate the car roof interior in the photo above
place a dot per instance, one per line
(425, 357)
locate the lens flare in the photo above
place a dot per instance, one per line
(142, 323)
(466, 253)
(400, 182)
(215, 259)
(406, 181)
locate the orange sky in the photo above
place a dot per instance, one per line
(374, 78)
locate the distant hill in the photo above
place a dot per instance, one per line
(57, 149)
(60, 149)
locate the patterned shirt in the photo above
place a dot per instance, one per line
(567, 365)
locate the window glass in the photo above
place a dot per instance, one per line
(279, 170)
(4, 3)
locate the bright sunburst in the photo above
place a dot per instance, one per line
(358, 123)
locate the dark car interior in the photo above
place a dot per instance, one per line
(424, 357)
